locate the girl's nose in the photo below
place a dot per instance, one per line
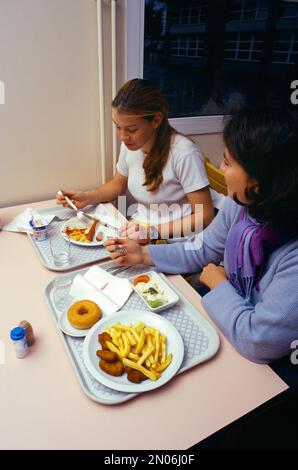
(222, 167)
(123, 135)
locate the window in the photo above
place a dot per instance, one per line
(285, 49)
(189, 12)
(289, 10)
(245, 10)
(190, 45)
(244, 46)
(205, 55)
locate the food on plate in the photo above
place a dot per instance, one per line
(91, 232)
(102, 338)
(141, 349)
(107, 356)
(150, 291)
(100, 236)
(135, 376)
(84, 235)
(143, 278)
(83, 314)
(115, 368)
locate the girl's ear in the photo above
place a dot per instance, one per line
(254, 185)
(158, 117)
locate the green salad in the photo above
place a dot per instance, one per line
(154, 296)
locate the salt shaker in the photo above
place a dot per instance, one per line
(28, 331)
(18, 336)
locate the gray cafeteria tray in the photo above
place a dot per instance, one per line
(200, 339)
(80, 255)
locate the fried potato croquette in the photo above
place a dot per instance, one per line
(102, 338)
(108, 356)
(113, 368)
(135, 376)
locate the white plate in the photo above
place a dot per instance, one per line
(76, 222)
(169, 293)
(67, 328)
(174, 346)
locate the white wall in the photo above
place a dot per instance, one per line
(49, 124)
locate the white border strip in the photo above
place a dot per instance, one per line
(114, 77)
(198, 124)
(101, 91)
(134, 50)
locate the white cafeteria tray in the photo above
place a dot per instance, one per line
(200, 339)
(80, 255)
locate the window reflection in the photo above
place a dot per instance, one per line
(214, 57)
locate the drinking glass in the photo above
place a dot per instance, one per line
(60, 249)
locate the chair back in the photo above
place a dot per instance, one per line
(216, 178)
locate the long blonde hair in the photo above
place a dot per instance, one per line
(142, 98)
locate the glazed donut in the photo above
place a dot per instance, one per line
(83, 314)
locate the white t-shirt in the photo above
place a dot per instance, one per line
(183, 173)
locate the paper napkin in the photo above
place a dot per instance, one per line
(107, 291)
(20, 223)
(105, 215)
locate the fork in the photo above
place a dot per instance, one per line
(81, 214)
(69, 202)
(115, 270)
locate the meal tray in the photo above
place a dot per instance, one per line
(200, 339)
(80, 255)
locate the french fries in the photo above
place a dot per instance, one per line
(140, 347)
(81, 234)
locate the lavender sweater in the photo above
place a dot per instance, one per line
(263, 329)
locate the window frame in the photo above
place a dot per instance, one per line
(134, 59)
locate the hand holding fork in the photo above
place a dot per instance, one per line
(81, 214)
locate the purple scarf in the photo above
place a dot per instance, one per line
(248, 247)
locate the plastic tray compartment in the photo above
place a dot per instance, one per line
(80, 255)
(200, 339)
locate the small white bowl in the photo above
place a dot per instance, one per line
(67, 328)
(170, 294)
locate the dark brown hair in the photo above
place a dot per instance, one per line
(142, 98)
(264, 141)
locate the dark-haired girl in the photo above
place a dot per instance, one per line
(254, 297)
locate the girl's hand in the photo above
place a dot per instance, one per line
(79, 198)
(127, 252)
(135, 231)
(212, 275)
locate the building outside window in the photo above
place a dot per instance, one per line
(289, 10)
(212, 58)
(246, 10)
(244, 46)
(189, 12)
(285, 48)
(189, 45)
